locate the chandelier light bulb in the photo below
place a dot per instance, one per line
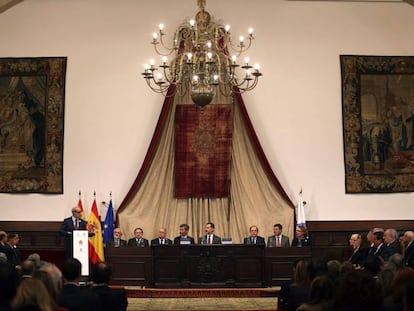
(227, 28)
(146, 67)
(250, 30)
(234, 58)
(192, 22)
(209, 55)
(189, 56)
(195, 79)
(161, 26)
(159, 77)
(164, 59)
(246, 60)
(209, 44)
(152, 62)
(241, 39)
(155, 36)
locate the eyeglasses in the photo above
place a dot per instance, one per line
(77, 212)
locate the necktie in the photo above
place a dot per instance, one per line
(76, 224)
(209, 239)
(138, 242)
(162, 241)
(278, 241)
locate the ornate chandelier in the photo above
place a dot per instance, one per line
(201, 63)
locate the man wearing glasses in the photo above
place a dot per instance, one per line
(69, 224)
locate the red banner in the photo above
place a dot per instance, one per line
(203, 145)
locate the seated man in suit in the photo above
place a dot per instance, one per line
(162, 238)
(69, 224)
(358, 253)
(210, 237)
(138, 240)
(184, 238)
(117, 240)
(392, 244)
(111, 299)
(408, 241)
(278, 239)
(254, 238)
(72, 296)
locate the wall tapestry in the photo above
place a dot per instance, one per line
(32, 97)
(203, 140)
(378, 123)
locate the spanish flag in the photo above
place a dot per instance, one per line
(96, 248)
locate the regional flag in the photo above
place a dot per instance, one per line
(80, 205)
(96, 249)
(300, 211)
(109, 224)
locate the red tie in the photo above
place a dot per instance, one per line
(278, 241)
(209, 239)
(76, 224)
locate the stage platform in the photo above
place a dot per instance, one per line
(140, 292)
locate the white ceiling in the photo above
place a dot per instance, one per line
(7, 4)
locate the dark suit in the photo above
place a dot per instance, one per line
(76, 298)
(409, 255)
(284, 241)
(390, 249)
(111, 299)
(66, 230)
(13, 255)
(158, 242)
(379, 250)
(177, 240)
(138, 242)
(250, 241)
(203, 240)
(357, 258)
(304, 242)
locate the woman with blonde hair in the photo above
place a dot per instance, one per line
(32, 295)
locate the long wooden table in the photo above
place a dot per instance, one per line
(203, 265)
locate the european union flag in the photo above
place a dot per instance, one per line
(109, 224)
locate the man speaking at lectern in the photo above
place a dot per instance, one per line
(69, 224)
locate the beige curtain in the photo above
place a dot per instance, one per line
(254, 199)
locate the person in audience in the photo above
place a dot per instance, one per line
(138, 239)
(72, 296)
(254, 238)
(370, 239)
(28, 269)
(3, 241)
(184, 237)
(162, 238)
(321, 296)
(409, 249)
(378, 243)
(117, 240)
(374, 264)
(358, 253)
(395, 300)
(111, 299)
(392, 244)
(358, 291)
(8, 285)
(32, 295)
(50, 287)
(12, 251)
(55, 275)
(75, 222)
(299, 290)
(302, 238)
(396, 262)
(278, 239)
(210, 237)
(35, 257)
